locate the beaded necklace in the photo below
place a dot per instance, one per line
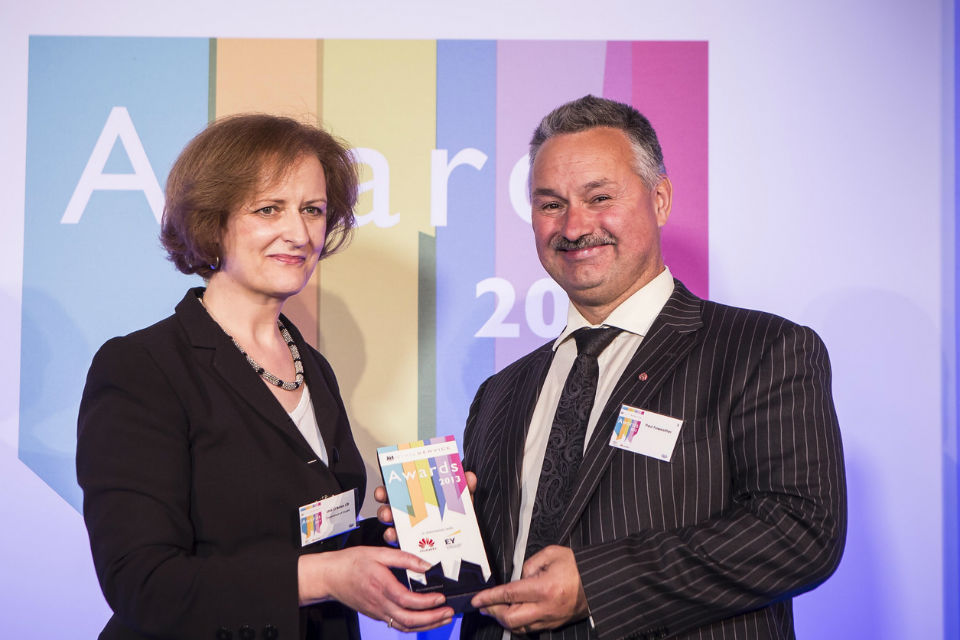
(269, 377)
(263, 373)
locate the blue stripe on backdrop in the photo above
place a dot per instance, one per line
(466, 118)
(466, 99)
(951, 453)
(95, 271)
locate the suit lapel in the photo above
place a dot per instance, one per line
(233, 368)
(670, 338)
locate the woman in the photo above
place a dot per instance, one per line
(201, 436)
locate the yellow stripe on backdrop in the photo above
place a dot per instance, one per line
(380, 95)
(278, 77)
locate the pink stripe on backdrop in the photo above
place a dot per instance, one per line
(532, 79)
(670, 88)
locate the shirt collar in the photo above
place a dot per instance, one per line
(635, 314)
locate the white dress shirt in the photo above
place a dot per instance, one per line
(634, 316)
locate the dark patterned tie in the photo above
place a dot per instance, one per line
(561, 461)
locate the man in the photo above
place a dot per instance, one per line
(707, 536)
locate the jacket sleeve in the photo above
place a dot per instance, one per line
(784, 532)
(134, 466)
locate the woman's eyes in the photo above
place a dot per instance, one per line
(316, 212)
(272, 210)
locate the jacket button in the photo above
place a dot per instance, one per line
(270, 632)
(247, 633)
(224, 634)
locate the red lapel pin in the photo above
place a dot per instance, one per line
(642, 377)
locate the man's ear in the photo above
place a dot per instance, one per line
(662, 200)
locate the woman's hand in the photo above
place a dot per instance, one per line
(360, 578)
(385, 514)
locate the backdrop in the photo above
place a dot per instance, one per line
(812, 152)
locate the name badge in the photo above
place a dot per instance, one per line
(645, 432)
(327, 517)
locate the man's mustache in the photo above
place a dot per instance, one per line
(560, 243)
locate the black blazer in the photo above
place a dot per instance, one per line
(192, 474)
(750, 511)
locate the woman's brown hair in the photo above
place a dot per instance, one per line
(226, 163)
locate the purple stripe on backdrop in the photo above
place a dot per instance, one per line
(532, 79)
(618, 73)
(670, 88)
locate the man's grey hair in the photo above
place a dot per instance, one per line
(589, 112)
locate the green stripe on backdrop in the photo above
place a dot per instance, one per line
(427, 338)
(212, 82)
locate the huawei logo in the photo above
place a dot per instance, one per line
(426, 543)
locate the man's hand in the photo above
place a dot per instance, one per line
(547, 595)
(385, 515)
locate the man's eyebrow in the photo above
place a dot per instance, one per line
(600, 183)
(597, 184)
(544, 191)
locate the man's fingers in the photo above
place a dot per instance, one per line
(547, 595)
(471, 481)
(542, 560)
(503, 594)
(385, 514)
(390, 536)
(518, 618)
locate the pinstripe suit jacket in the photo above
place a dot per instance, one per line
(750, 511)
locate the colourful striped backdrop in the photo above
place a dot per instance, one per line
(441, 286)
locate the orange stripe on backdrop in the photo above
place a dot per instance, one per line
(281, 77)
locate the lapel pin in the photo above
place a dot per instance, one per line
(642, 377)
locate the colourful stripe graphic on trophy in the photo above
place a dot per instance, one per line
(435, 479)
(431, 505)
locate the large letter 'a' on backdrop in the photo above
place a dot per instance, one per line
(441, 286)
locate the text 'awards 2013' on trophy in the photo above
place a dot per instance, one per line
(434, 517)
